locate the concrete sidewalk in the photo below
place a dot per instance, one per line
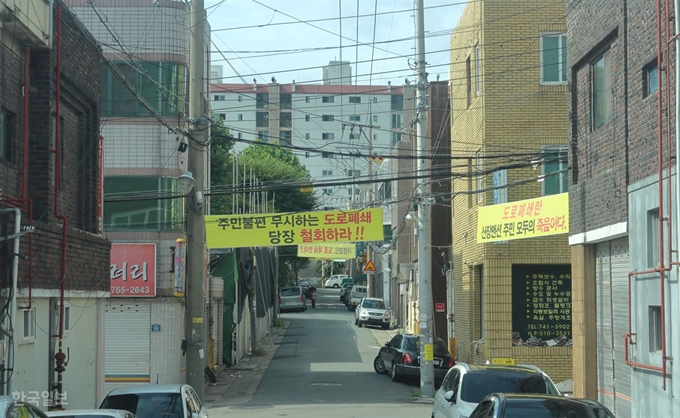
(237, 384)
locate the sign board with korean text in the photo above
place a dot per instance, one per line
(180, 266)
(370, 266)
(531, 218)
(327, 251)
(133, 270)
(439, 307)
(541, 301)
(267, 229)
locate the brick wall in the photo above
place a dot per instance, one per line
(87, 254)
(513, 113)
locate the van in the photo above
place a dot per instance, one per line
(337, 280)
(358, 292)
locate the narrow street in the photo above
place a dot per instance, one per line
(324, 365)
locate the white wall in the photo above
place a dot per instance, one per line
(166, 345)
(32, 362)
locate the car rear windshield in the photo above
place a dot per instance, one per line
(291, 291)
(147, 405)
(552, 408)
(412, 344)
(479, 384)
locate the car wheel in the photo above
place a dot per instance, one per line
(356, 321)
(335, 286)
(386, 326)
(361, 324)
(393, 373)
(379, 366)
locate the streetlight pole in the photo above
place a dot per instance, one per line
(195, 326)
(424, 202)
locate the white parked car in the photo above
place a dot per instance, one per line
(466, 385)
(146, 401)
(358, 292)
(12, 408)
(372, 311)
(337, 280)
(91, 413)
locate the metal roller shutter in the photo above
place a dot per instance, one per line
(605, 334)
(128, 327)
(619, 271)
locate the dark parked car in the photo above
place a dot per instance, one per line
(305, 285)
(506, 405)
(400, 357)
(344, 291)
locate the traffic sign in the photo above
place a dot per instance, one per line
(369, 266)
(439, 307)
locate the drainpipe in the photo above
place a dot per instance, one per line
(60, 357)
(677, 120)
(24, 186)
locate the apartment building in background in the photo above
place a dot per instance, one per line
(509, 99)
(148, 43)
(340, 121)
(49, 175)
(623, 170)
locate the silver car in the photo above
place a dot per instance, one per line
(92, 413)
(292, 299)
(11, 408)
(372, 311)
(167, 401)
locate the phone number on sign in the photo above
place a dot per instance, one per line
(134, 290)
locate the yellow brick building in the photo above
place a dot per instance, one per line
(508, 98)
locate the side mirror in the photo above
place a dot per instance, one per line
(387, 343)
(449, 396)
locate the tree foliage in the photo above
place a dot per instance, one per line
(221, 166)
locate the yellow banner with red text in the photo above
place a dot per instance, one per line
(279, 229)
(531, 218)
(327, 251)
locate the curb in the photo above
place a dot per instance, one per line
(238, 384)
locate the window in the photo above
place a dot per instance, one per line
(354, 136)
(328, 136)
(354, 99)
(328, 99)
(7, 129)
(217, 98)
(307, 136)
(375, 118)
(263, 135)
(478, 71)
(396, 137)
(653, 238)
(353, 173)
(397, 102)
(240, 116)
(240, 98)
(375, 137)
(327, 191)
(142, 215)
(500, 193)
(67, 317)
(262, 119)
(327, 172)
(654, 328)
(222, 116)
(285, 120)
(601, 91)
(286, 137)
(468, 77)
(29, 324)
(327, 118)
(262, 100)
(355, 118)
(117, 100)
(286, 101)
(240, 135)
(306, 99)
(396, 121)
(168, 405)
(307, 118)
(650, 79)
(553, 58)
(328, 155)
(554, 161)
(375, 100)
(480, 177)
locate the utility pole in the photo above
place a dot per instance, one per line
(424, 202)
(369, 248)
(195, 327)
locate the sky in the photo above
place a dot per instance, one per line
(292, 39)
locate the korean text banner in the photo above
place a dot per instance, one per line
(267, 229)
(327, 251)
(133, 270)
(524, 219)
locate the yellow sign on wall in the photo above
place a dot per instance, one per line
(524, 219)
(503, 361)
(266, 229)
(327, 251)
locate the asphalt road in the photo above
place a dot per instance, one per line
(324, 365)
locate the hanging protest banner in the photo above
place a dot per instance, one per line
(531, 218)
(278, 229)
(327, 251)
